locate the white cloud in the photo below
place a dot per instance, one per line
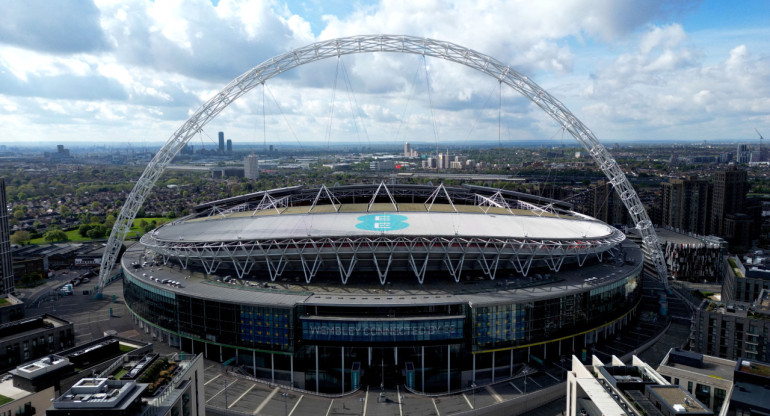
(628, 69)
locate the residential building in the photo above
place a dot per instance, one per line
(620, 389)
(728, 197)
(29, 338)
(6, 260)
(686, 204)
(221, 142)
(251, 167)
(708, 378)
(181, 393)
(733, 330)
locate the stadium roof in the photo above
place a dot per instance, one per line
(413, 224)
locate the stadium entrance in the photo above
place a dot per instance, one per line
(383, 372)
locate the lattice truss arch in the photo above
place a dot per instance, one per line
(381, 43)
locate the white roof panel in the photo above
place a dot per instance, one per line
(412, 224)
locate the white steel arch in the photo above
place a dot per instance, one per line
(380, 43)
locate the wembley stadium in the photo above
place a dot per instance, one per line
(429, 287)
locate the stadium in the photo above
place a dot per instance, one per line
(433, 288)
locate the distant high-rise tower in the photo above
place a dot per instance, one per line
(251, 167)
(743, 154)
(221, 142)
(229, 146)
(686, 204)
(407, 150)
(728, 197)
(6, 264)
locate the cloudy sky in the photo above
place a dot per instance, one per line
(135, 70)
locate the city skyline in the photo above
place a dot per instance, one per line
(135, 71)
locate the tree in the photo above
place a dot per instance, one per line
(84, 229)
(65, 211)
(55, 235)
(20, 237)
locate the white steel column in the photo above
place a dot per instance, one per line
(493, 367)
(343, 370)
(473, 376)
(422, 356)
(448, 368)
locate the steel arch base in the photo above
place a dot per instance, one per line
(381, 43)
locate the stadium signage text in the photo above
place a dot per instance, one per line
(382, 331)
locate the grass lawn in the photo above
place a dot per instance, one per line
(5, 399)
(126, 348)
(4, 302)
(75, 237)
(120, 373)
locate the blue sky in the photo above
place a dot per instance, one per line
(104, 71)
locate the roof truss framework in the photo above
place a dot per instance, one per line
(381, 254)
(380, 43)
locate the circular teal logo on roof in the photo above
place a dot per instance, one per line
(382, 222)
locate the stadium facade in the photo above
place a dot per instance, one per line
(433, 288)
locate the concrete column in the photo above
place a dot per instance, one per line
(317, 379)
(272, 367)
(291, 363)
(254, 362)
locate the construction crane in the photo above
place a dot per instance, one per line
(761, 159)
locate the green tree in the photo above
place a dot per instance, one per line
(20, 237)
(55, 235)
(84, 229)
(65, 211)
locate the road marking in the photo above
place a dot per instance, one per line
(533, 380)
(220, 391)
(494, 394)
(552, 376)
(366, 401)
(514, 386)
(468, 401)
(398, 392)
(296, 404)
(436, 407)
(207, 383)
(241, 396)
(330, 408)
(266, 401)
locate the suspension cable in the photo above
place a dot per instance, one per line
(430, 102)
(285, 119)
(331, 109)
(408, 101)
(356, 109)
